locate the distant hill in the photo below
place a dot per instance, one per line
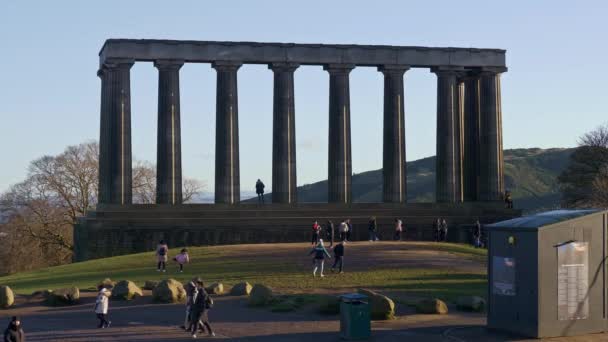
(530, 174)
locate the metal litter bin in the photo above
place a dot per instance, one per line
(355, 321)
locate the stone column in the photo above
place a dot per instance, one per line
(449, 160)
(115, 133)
(394, 175)
(168, 155)
(491, 177)
(283, 134)
(227, 177)
(339, 163)
(470, 169)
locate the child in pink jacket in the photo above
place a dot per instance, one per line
(182, 258)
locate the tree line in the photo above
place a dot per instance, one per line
(37, 214)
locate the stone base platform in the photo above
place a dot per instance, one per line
(116, 230)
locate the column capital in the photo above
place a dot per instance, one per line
(393, 68)
(118, 63)
(226, 65)
(338, 68)
(447, 70)
(287, 67)
(168, 64)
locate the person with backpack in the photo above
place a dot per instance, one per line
(161, 255)
(199, 313)
(330, 232)
(319, 258)
(339, 257)
(101, 307)
(182, 258)
(316, 231)
(14, 331)
(398, 229)
(372, 227)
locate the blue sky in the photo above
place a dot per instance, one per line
(555, 89)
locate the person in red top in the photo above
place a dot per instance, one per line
(316, 231)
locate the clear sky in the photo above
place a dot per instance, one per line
(555, 89)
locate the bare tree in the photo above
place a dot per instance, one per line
(191, 188)
(596, 138)
(144, 182)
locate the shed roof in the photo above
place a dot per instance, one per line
(543, 219)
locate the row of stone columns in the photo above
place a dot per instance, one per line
(469, 134)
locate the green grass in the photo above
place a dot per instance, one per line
(220, 264)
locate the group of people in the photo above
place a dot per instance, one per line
(320, 253)
(162, 255)
(345, 230)
(198, 303)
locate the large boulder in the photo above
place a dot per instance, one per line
(107, 283)
(126, 290)
(215, 288)
(150, 284)
(432, 306)
(7, 297)
(260, 295)
(169, 291)
(241, 289)
(66, 296)
(471, 303)
(381, 307)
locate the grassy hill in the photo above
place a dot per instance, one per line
(530, 174)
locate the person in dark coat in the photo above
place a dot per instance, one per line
(372, 228)
(350, 232)
(330, 232)
(259, 189)
(199, 310)
(339, 255)
(14, 331)
(477, 235)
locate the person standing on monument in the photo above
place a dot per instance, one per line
(372, 227)
(444, 231)
(350, 231)
(319, 259)
(259, 190)
(398, 229)
(330, 232)
(316, 231)
(101, 306)
(161, 255)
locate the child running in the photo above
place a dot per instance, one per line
(181, 259)
(319, 258)
(101, 307)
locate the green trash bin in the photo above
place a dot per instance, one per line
(355, 321)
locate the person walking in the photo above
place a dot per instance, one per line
(316, 231)
(444, 231)
(14, 331)
(191, 292)
(200, 311)
(350, 231)
(398, 229)
(343, 230)
(319, 258)
(372, 227)
(101, 307)
(477, 235)
(161, 255)
(339, 257)
(437, 229)
(259, 190)
(181, 259)
(330, 232)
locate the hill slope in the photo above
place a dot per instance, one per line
(530, 174)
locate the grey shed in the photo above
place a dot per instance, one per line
(546, 273)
